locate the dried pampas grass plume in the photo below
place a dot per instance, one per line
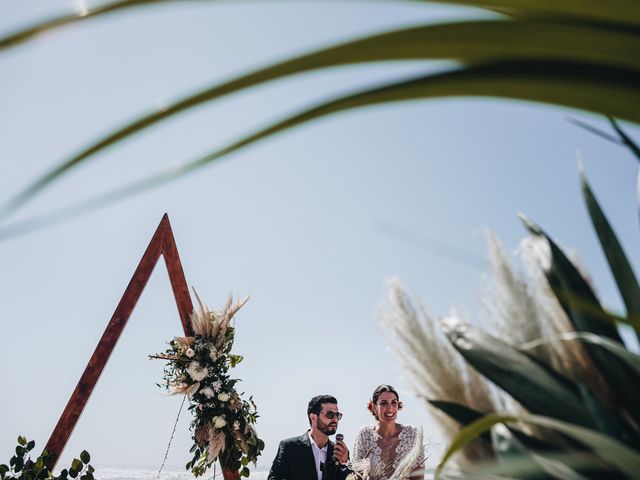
(200, 321)
(509, 305)
(435, 369)
(210, 323)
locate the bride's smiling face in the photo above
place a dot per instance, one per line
(387, 407)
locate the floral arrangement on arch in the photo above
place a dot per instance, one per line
(223, 424)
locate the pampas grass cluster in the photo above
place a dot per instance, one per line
(519, 307)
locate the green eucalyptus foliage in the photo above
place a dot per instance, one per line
(22, 467)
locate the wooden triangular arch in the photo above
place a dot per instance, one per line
(162, 243)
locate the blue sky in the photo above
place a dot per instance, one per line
(300, 221)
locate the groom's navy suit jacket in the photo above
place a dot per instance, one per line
(294, 461)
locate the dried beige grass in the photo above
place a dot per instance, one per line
(508, 304)
(210, 323)
(436, 370)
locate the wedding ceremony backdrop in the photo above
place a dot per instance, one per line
(310, 223)
(162, 244)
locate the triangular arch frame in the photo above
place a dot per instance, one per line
(162, 243)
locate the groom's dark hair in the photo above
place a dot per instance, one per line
(315, 404)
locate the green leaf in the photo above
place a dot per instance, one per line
(460, 413)
(617, 259)
(507, 447)
(537, 387)
(472, 42)
(615, 453)
(586, 9)
(580, 86)
(573, 292)
(608, 421)
(630, 359)
(614, 11)
(76, 464)
(31, 445)
(22, 440)
(466, 415)
(624, 138)
(85, 457)
(583, 309)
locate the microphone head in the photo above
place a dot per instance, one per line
(339, 437)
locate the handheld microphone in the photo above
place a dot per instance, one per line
(339, 438)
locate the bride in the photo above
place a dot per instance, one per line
(388, 450)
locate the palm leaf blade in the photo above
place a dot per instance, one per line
(620, 456)
(561, 83)
(619, 265)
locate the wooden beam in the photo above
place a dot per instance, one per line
(162, 243)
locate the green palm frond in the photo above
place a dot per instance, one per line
(579, 54)
(616, 454)
(561, 82)
(619, 265)
(617, 12)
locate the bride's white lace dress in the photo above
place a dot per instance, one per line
(383, 459)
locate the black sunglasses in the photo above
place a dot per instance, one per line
(331, 415)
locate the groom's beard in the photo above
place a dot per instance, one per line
(327, 428)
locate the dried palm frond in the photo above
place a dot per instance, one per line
(202, 435)
(183, 389)
(186, 342)
(217, 442)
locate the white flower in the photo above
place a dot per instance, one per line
(216, 386)
(197, 371)
(236, 425)
(207, 392)
(190, 353)
(223, 397)
(219, 422)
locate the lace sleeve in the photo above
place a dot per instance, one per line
(417, 446)
(360, 446)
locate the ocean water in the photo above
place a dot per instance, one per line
(147, 473)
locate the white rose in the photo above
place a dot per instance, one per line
(207, 392)
(190, 353)
(219, 422)
(197, 371)
(223, 397)
(216, 385)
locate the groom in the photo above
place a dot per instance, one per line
(312, 456)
